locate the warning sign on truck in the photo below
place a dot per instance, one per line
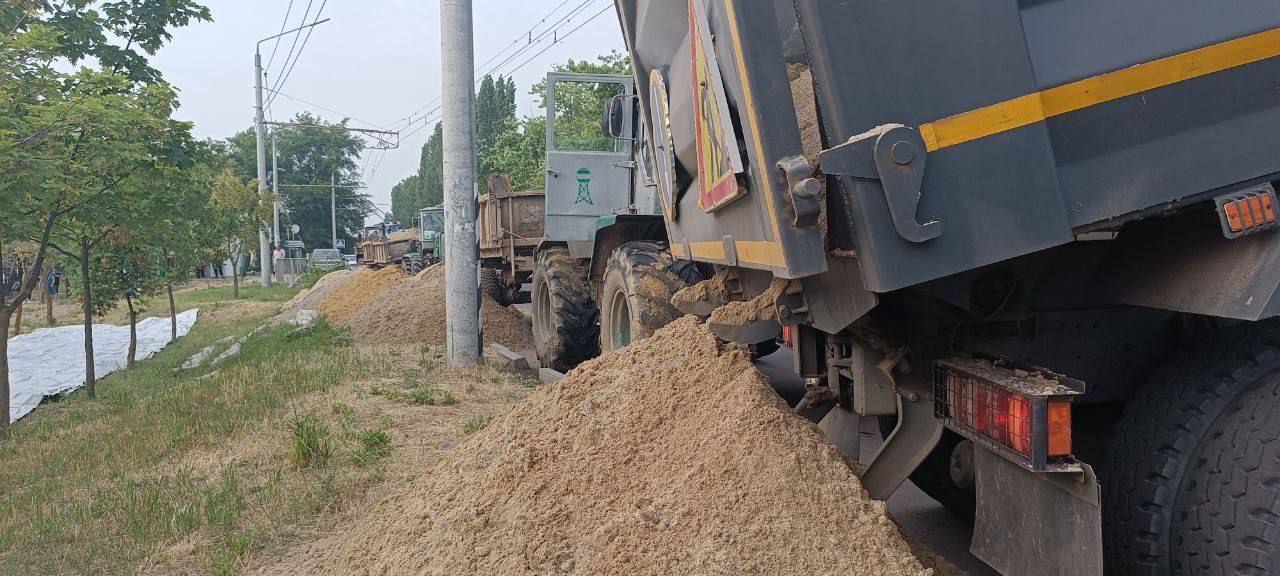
(718, 159)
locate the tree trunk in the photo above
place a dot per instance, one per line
(133, 331)
(17, 321)
(48, 309)
(90, 379)
(173, 313)
(235, 278)
(4, 375)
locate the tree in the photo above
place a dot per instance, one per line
(495, 109)
(431, 169)
(235, 209)
(70, 139)
(404, 199)
(310, 157)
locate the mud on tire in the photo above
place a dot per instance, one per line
(566, 322)
(635, 300)
(1192, 481)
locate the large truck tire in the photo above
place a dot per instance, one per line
(566, 321)
(946, 474)
(635, 300)
(1191, 484)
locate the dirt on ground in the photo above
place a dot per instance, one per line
(364, 286)
(670, 456)
(413, 310)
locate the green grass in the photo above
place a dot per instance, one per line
(197, 296)
(93, 487)
(312, 442)
(474, 424)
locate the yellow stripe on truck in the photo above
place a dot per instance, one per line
(1080, 94)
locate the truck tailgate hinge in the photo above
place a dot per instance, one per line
(894, 155)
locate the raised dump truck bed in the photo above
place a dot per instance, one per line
(1076, 195)
(510, 226)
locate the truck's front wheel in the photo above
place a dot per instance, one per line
(1192, 480)
(635, 300)
(566, 322)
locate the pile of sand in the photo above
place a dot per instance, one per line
(366, 285)
(669, 456)
(413, 310)
(310, 298)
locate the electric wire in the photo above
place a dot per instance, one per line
(305, 39)
(279, 37)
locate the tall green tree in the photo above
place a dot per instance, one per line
(235, 208)
(308, 157)
(431, 170)
(69, 138)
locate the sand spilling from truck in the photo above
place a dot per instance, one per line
(762, 307)
(413, 310)
(366, 285)
(670, 456)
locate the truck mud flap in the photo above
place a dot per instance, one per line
(1047, 524)
(1185, 264)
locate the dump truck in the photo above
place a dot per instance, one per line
(510, 227)
(412, 249)
(1034, 240)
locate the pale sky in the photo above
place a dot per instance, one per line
(376, 60)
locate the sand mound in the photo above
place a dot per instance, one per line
(670, 456)
(310, 298)
(362, 288)
(412, 310)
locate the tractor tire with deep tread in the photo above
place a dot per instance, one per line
(635, 300)
(566, 321)
(1191, 484)
(491, 285)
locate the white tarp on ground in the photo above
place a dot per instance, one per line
(50, 361)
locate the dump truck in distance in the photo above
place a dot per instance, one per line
(1035, 240)
(412, 249)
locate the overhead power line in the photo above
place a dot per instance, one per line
(431, 117)
(294, 45)
(283, 24)
(551, 32)
(280, 81)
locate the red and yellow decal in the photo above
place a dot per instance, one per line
(717, 184)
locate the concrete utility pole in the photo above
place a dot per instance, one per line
(461, 251)
(275, 204)
(263, 252)
(333, 208)
(259, 125)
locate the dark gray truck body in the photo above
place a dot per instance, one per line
(1031, 183)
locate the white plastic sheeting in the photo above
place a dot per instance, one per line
(50, 361)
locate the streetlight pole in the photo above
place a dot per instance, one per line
(259, 125)
(463, 340)
(260, 130)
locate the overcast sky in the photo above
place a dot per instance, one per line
(376, 60)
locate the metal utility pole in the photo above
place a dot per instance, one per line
(259, 125)
(461, 251)
(333, 208)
